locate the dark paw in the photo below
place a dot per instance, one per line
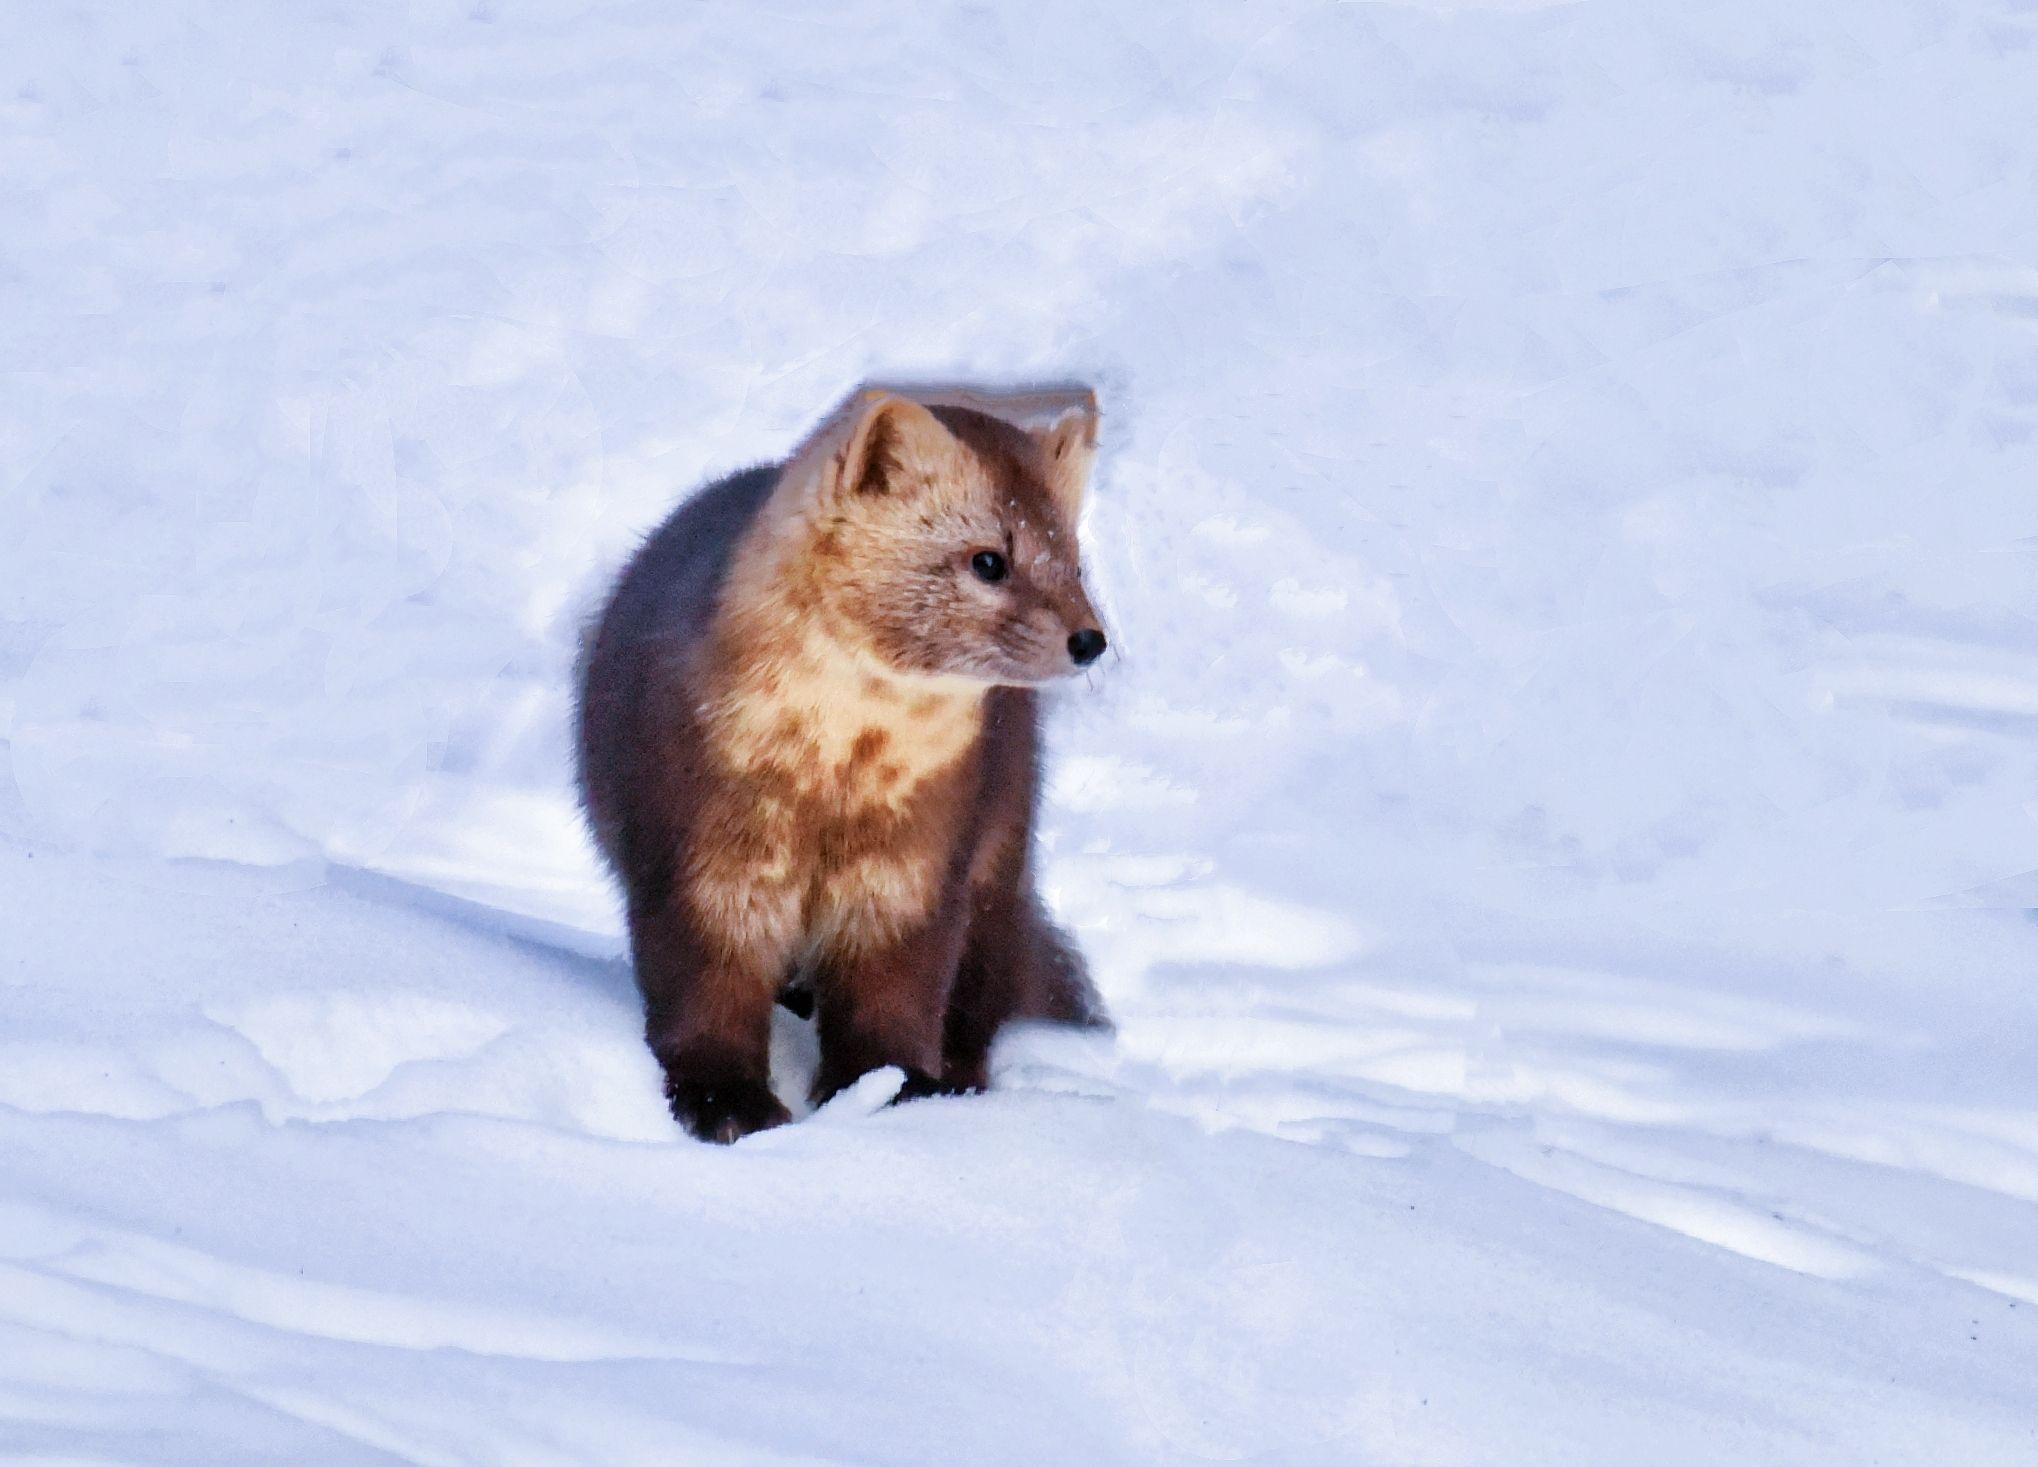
(724, 1110)
(830, 1083)
(920, 1086)
(966, 1076)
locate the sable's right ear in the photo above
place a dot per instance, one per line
(889, 437)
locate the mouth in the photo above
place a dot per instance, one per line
(1022, 675)
(1032, 658)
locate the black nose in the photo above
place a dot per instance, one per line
(1086, 646)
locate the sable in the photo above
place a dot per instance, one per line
(809, 749)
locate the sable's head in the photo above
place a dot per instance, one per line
(944, 541)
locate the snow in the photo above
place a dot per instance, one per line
(1556, 828)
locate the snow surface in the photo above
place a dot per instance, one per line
(1557, 830)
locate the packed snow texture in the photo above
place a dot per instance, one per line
(1556, 828)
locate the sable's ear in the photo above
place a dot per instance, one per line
(889, 437)
(1068, 446)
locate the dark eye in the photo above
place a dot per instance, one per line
(988, 565)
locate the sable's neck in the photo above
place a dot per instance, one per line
(804, 704)
(806, 655)
(827, 724)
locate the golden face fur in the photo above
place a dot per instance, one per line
(904, 502)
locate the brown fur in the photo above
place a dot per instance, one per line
(809, 749)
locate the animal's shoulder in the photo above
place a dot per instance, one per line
(672, 583)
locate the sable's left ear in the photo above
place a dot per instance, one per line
(1068, 447)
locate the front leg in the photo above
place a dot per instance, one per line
(708, 996)
(883, 1002)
